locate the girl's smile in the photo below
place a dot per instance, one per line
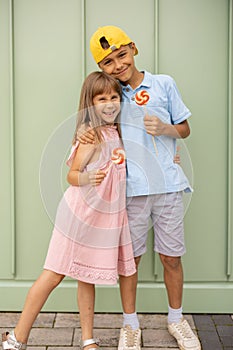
(107, 106)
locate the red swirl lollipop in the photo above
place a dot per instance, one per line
(142, 97)
(118, 156)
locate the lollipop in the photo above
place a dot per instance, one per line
(141, 98)
(117, 157)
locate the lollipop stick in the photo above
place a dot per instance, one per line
(109, 167)
(155, 147)
(153, 139)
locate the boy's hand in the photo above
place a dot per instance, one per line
(176, 159)
(154, 126)
(96, 177)
(85, 134)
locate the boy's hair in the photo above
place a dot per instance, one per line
(96, 83)
(107, 39)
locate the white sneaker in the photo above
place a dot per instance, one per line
(129, 339)
(184, 335)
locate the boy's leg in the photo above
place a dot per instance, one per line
(37, 296)
(169, 243)
(167, 217)
(173, 278)
(86, 304)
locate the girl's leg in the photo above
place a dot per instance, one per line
(37, 296)
(86, 304)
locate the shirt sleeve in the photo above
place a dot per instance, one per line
(176, 107)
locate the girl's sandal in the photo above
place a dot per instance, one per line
(10, 342)
(89, 342)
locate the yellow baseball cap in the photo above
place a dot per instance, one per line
(107, 39)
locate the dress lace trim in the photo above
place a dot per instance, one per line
(93, 273)
(125, 268)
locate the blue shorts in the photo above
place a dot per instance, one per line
(163, 212)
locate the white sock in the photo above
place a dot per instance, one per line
(131, 320)
(174, 315)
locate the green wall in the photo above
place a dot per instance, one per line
(44, 46)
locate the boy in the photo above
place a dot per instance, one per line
(154, 183)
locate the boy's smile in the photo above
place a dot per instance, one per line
(120, 64)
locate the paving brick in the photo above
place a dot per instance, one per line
(45, 320)
(158, 338)
(227, 341)
(209, 340)
(225, 330)
(226, 335)
(67, 320)
(108, 320)
(222, 320)
(204, 322)
(152, 321)
(53, 336)
(8, 319)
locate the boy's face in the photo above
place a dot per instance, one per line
(120, 64)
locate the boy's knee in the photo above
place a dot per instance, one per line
(171, 262)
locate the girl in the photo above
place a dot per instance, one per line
(91, 239)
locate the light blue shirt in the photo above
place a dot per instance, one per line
(147, 171)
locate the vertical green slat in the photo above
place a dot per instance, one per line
(12, 135)
(83, 25)
(229, 223)
(156, 33)
(156, 70)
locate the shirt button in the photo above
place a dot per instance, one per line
(127, 89)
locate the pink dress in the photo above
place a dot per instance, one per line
(91, 239)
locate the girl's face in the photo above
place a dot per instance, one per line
(107, 106)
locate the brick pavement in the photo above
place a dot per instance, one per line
(56, 331)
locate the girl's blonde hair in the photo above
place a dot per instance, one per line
(96, 83)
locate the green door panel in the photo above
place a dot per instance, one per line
(48, 73)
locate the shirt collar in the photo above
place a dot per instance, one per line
(147, 82)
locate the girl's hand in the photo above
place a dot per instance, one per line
(96, 177)
(85, 134)
(154, 126)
